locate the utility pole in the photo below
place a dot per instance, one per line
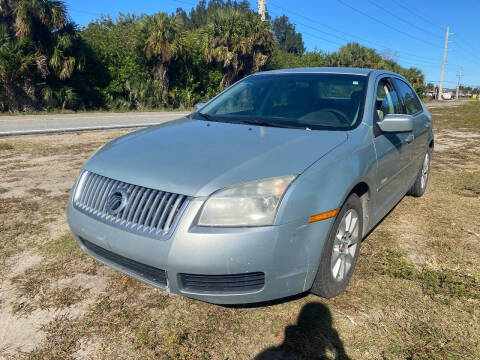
(262, 9)
(459, 75)
(442, 76)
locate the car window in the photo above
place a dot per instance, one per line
(387, 101)
(241, 100)
(409, 98)
(314, 101)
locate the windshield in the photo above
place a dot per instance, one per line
(313, 101)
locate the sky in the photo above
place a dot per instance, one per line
(411, 32)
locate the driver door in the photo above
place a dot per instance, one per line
(392, 150)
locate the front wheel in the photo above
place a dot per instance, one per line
(420, 184)
(340, 253)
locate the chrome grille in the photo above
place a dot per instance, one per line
(147, 211)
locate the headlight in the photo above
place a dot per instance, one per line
(250, 204)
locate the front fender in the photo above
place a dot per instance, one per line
(325, 185)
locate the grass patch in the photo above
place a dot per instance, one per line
(430, 342)
(61, 247)
(450, 284)
(15, 307)
(38, 192)
(11, 234)
(39, 288)
(29, 285)
(393, 264)
(63, 335)
(465, 116)
(6, 146)
(434, 283)
(467, 183)
(14, 205)
(61, 298)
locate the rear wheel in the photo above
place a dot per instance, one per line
(341, 251)
(420, 184)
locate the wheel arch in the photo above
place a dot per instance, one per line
(363, 191)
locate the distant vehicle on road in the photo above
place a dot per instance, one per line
(266, 191)
(448, 96)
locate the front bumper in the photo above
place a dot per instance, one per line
(286, 254)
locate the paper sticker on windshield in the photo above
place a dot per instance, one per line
(355, 83)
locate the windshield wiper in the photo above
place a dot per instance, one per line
(206, 117)
(265, 123)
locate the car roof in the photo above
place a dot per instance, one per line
(328, 70)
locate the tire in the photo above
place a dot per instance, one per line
(420, 185)
(340, 252)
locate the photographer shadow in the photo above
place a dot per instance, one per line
(313, 337)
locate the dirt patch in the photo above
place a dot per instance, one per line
(95, 284)
(32, 207)
(19, 334)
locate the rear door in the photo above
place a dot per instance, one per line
(421, 123)
(393, 150)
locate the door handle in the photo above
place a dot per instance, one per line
(410, 138)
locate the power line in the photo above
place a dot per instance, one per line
(316, 29)
(406, 57)
(401, 18)
(460, 47)
(466, 43)
(416, 14)
(434, 81)
(410, 61)
(345, 33)
(385, 24)
(321, 38)
(315, 36)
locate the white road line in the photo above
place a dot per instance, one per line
(64, 130)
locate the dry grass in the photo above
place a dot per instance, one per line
(415, 293)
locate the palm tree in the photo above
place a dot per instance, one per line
(16, 61)
(163, 42)
(238, 42)
(39, 28)
(37, 20)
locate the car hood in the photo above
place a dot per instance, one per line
(196, 158)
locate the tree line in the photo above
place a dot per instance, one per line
(163, 60)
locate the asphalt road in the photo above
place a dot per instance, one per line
(56, 123)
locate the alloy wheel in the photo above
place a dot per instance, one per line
(345, 245)
(425, 169)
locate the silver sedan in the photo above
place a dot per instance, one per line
(265, 191)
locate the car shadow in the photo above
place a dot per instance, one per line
(268, 303)
(312, 337)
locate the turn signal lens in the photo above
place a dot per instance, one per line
(324, 215)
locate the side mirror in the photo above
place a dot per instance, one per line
(396, 123)
(198, 106)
